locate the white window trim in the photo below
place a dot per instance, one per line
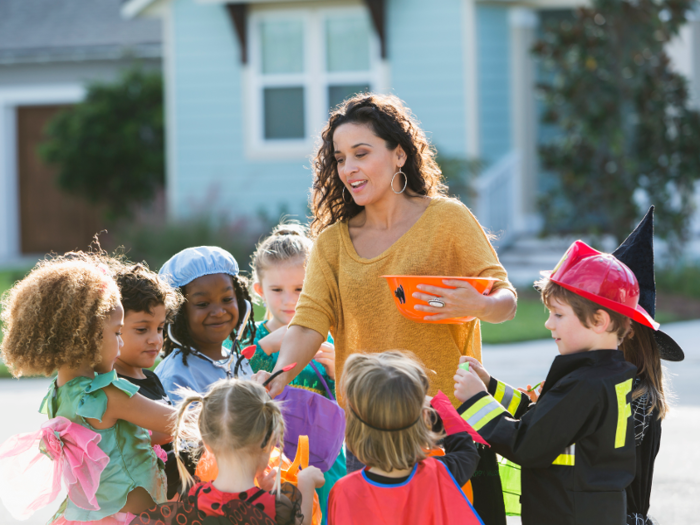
(315, 80)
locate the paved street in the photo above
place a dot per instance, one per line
(677, 477)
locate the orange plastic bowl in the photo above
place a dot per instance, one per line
(402, 288)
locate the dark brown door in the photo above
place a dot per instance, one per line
(50, 220)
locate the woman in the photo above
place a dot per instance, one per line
(380, 208)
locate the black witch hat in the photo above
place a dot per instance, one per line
(637, 252)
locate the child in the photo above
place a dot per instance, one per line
(148, 303)
(217, 306)
(576, 444)
(278, 275)
(240, 425)
(389, 430)
(66, 316)
(645, 349)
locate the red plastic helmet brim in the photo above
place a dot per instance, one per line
(639, 314)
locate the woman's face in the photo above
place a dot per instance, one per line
(365, 165)
(212, 309)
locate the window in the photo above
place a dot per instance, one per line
(304, 62)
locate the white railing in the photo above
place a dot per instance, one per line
(496, 198)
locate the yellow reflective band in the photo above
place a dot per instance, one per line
(482, 412)
(497, 410)
(624, 411)
(500, 392)
(565, 460)
(568, 458)
(515, 402)
(476, 407)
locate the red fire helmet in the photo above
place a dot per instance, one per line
(603, 279)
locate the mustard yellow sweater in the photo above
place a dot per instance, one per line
(345, 293)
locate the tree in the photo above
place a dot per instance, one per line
(110, 148)
(626, 135)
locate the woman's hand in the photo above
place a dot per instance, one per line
(467, 384)
(271, 343)
(465, 301)
(299, 346)
(475, 365)
(326, 356)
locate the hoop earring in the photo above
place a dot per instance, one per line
(346, 202)
(404, 184)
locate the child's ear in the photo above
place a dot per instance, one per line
(601, 322)
(257, 287)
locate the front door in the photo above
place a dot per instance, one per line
(50, 220)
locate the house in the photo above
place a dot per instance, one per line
(249, 85)
(49, 51)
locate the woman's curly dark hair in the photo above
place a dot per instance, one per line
(180, 325)
(391, 121)
(55, 316)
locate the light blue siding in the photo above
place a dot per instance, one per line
(211, 164)
(425, 47)
(493, 37)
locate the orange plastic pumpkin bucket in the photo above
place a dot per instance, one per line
(402, 288)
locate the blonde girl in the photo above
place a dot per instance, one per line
(278, 276)
(66, 317)
(239, 425)
(390, 428)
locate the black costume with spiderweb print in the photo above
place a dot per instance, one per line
(180, 326)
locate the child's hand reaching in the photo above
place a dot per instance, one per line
(467, 384)
(266, 480)
(309, 479)
(326, 356)
(532, 393)
(475, 365)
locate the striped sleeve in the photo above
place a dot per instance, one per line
(482, 411)
(514, 401)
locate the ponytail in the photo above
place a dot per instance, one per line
(187, 432)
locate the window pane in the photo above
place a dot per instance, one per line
(347, 43)
(284, 113)
(282, 46)
(336, 94)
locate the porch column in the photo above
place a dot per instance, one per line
(523, 27)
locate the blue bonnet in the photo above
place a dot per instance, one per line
(192, 263)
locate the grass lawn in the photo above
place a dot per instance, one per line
(529, 323)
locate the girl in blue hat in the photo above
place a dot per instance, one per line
(217, 306)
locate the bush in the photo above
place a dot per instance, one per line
(110, 148)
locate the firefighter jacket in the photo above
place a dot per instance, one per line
(575, 445)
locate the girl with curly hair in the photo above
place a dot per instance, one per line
(216, 306)
(66, 317)
(380, 207)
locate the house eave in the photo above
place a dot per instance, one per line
(79, 54)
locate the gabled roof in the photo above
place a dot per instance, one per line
(60, 30)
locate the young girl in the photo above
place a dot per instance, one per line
(66, 316)
(217, 306)
(389, 429)
(645, 349)
(278, 274)
(239, 425)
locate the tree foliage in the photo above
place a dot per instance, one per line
(110, 148)
(626, 135)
